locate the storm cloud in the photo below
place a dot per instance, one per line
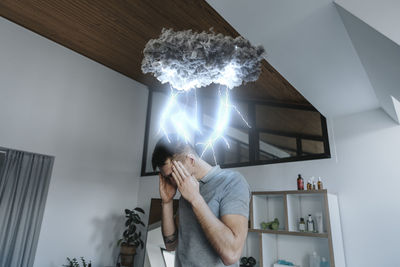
(188, 59)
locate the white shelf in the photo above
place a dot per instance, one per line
(268, 208)
(251, 247)
(301, 205)
(283, 232)
(288, 243)
(292, 248)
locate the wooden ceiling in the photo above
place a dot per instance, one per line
(115, 32)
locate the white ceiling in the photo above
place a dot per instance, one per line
(379, 54)
(382, 15)
(307, 42)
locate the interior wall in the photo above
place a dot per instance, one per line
(382, 15)
(307, 43)
(380, 57)
(362, 172)
(57, 102)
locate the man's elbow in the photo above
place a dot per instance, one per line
(231, 258)
(171, 246)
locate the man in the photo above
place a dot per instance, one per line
(213, 207)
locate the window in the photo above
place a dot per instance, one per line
(2, 159)
(277, 133)
(169, 257)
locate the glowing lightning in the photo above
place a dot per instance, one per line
(222, 122)
(173, 114)
(183, 124)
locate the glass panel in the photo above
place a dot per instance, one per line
(273, 146)
(288, 120)
(279, 132)
(310, 147)
(2, 158)
(236, 134)
(239, 112)
(238, 151)
(159, 101)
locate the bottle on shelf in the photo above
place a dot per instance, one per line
(320, 186)
(310, 224)
(314, 260)
(309, 185)
(300, 183)
(324, 262)
(302, 225)
(313, 183)
(320, 226)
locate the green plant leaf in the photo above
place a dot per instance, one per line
(128, 222)
(139, 210)
(83, 262)
(125, 232)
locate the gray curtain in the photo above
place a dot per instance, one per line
(24, 182)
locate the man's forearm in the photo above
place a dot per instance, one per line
(222, 238)
(168, 227)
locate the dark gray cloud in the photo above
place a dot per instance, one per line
(188, 59)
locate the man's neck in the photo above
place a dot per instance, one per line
(202, 169)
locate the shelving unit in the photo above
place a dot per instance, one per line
(288, 243)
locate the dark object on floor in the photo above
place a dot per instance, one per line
(247, 262)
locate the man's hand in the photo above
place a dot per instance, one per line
(167, 190)
(187, 184)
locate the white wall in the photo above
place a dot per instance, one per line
(307, 43)
(364, 172)
(382, 15)
(380, 57)
(57, 102)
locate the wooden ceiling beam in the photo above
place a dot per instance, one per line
(114, 34)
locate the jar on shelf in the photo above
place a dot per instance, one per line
(302, 225)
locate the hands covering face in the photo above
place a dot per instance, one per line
(187, 183)
(167, 189)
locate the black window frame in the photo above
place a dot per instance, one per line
(254, 135)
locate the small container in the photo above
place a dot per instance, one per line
(300, 183)
(302, 225)
(320, 225)
(314, 260)
(310, 224)
(313, 185)
(309, 185)
(320, 186)
(324, 262)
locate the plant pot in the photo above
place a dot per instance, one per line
(127, 255)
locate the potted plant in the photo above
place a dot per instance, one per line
(131, 238)
(74, 263)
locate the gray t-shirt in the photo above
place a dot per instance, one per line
(226, 192)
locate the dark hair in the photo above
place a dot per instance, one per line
(168, 147)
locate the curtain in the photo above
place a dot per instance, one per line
(24, 182)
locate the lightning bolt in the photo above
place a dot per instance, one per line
(176, 114)
(225, 108)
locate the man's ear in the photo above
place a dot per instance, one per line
(192, 159)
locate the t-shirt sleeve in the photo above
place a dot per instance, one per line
(236, 197)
